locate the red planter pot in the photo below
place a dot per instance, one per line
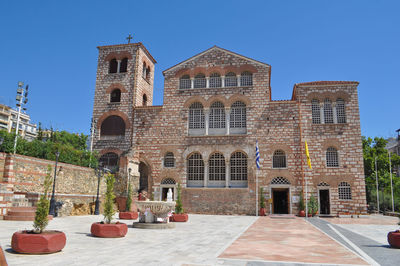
(44, 243)
(394, 239)
(109, 230)
(302, 213)
(128, 215)
(262, 211)
(182, 217)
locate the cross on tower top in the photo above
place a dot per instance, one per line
(129, 38)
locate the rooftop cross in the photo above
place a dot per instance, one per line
(129, 38)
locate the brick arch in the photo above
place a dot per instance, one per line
(242, 151)
(214, 69)
(228, 69)
(321, 96)
(193, 152)
(116, 86)
(247, 67)
(114, 150)
(331, 143)
(198, 70)
(217, 98)
(183, 71)
(118, 56)
(194, 99)
(214, 152)
(117, 113)
(281, 146)
(238, 97)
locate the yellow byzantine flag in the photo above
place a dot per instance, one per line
(308, 156)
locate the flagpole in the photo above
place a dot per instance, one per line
(391, 180)
(256, 192)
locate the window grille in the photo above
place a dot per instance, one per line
(109, 161)
(340, 111)
(169, 160)
(217, 115)
(332, 158)
(323, 184)
(316, 112)
(196, 116)
(124, 65)
(328, 112)
(113, 66)
(280, 181)
(238, 115)
(215, 80)
(195, 167)
(115, 96)
(200, 81)
(246, 79)
(185, 82)
(216, 167)
(168, 181)
(279, 159)
(238, 165)
(344, 191)
(230, 80)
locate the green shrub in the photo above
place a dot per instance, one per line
(179, 205)
(312, 205)
(42, 209)
(301, 202)
(109, 210)
(262, 199)
(129, 198)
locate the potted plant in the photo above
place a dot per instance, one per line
(106, 228)
(302, 213)
(394, 237)
(39, 241)
(128, 214)
(312, 206)
(262, 202)
(179, 215)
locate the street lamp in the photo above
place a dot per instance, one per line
(53, 200)
(129, 180)
(100, 170)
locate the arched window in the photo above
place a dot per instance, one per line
(195, 170)
(113, 66)
(316, 112)
(216, 172)
(110, 161)
(328, 112)
(246, 79)
(196, 116)
(215, 80)
(112, 126)
(144, 70)
(340, 111)
(200, 81)
(185, 82)
(230, 80)
(280, 181)
(115, 96)
(169, 160)
(332, 158)
(238, 118)
(344, 191)
(238, 164)
(144, 101)
(217, 115)
(279, 159)
(124, 65)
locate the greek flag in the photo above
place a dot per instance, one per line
(257, 156)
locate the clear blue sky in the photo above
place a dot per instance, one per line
(52, 46)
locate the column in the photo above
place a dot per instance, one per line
(119, 65)
(192, 83)
(334, 113)
(207, 82)
(223, 81)
(207, 114)
(238, 80)
(321, 109)
(227, 172)
(228, 119)
(205, 173)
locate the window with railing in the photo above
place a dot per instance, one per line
(238, 164)
(246, 79)
(344, 191)
(316, 111)
(216, 165)
(196, 116)
(279, 159)
(332, 157)
(340, 111)
(328, 112)
(200, 81)
(169, 160)
(230, 80)
(185, 82)
(215, 80)
(195, 170)
(238, 118)
(217, 118)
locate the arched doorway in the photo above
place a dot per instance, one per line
(280, 191)
(144, 178)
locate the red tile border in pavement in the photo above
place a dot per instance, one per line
(289, 240)
(374, 220)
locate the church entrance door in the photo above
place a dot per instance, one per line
(280, 199)
(324, 201)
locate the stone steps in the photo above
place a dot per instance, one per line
(22, 214)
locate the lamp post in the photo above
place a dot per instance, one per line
(52, 210)
(22, 99)
(129, 180)
(100, 170)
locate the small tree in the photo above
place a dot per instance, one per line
(109, 210)
(312, 205)
(301, 202)
(179, 206)
(262, 199)
(42, 209)
(129, 198)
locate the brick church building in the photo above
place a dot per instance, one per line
(217, 104)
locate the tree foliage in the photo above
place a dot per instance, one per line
(262, 199)
(179, 205)
(109, 210)
(72, 147)
(376, 148)
(129, 198)
(42, 209)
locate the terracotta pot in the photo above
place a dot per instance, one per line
(128, 215)
(109, 230)
(262, 212)
(394, 239)
(44, 243)
(302, 213)
(181, 217)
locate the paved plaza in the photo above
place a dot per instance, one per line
(219, 240)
